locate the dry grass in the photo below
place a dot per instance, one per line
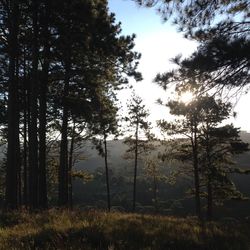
(60, 229)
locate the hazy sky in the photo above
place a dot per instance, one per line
(158, 42)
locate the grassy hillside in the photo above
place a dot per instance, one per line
(99, 230)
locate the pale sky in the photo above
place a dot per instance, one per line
(158, 42)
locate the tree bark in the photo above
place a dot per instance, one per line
(63, 198)
(107, 171)
(33, 140)
(13, 147)
(135, 166)
(209, 177)
(25, 129)
(63, 175)
(196, 173)
(25, 149)
(71, 151)
(43, 200)
(209, 199)
(155, 193)
(63, 168)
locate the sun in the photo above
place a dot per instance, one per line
(186, 97)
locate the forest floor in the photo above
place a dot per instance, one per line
(60, 229)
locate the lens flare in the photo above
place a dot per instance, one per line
(187, 97)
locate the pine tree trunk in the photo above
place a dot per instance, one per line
(33, 140)
(107, 171)
(209, 174)
(63, 168)
(209, 184)
(13, 148)
(19, 181)
(63, 198)
(63, 175)
(71, 165)
(43, 200)
(19, 170)
(196, 174)
(155, 194)
(25, 127)
(135, 167)
(197, 190)
(28, 132)
(25, 149)
(209, 200)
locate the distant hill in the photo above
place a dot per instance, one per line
(117, 149)
(89, 193)
(172, 196)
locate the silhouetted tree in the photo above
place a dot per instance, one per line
(138, 143)
(209, 147)
(11, 19)
(222, 59)
(87, 59)
(196, 18)
(188, 126)
(56, 60)
(106, 124)
(220, 145)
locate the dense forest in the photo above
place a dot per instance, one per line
(63, 64)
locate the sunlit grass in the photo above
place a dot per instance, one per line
(58, 229)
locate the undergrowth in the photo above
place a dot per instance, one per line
(61, 229)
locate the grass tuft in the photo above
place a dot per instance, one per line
(61, 229)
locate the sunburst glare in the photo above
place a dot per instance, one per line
(186, 97)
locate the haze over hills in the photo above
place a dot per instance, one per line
(173, 197)
(121, 172)
(117, 150)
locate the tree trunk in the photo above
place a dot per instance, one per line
(33, 140)
(209, 199)
(13, 147)
(71, 151)
(25, 127)
(155, 193)
(107, 171)
(63, 168)
(63, 198)
(43, 200)
(135, 167)
(63, 175)
(197, 190)
(19, 170)
(25, 148)
(209, 176)
(28, 131)
(196, 174)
